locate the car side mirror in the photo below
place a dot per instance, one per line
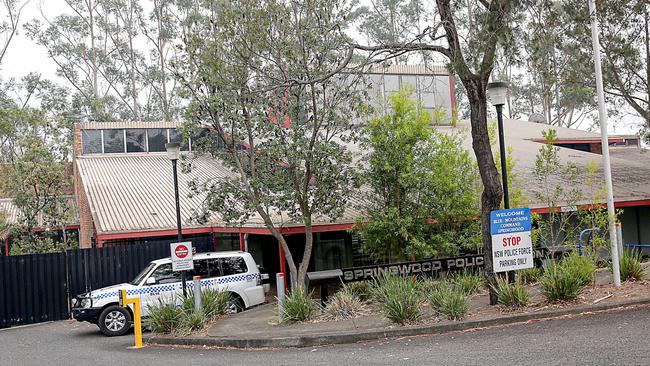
(151, 281)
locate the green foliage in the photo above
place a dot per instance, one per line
(468, 282)
(449, 301)
(165, 317)
(582, 267)
(529, 275)
(399, 298)
(511, 296)
(360, 289)
(243, 66)
(567, 279)
(213, 302)
(344, 305)
(423, 197)
(191, 321)
(631, 266)
(298, 306)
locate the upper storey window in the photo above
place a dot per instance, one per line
(120, 141)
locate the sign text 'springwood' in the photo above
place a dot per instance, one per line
(426, 267)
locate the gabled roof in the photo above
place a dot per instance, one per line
(8, 208)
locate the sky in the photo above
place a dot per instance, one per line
(25, 56)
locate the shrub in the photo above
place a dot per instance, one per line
(529, 275)
(213, 302)
(344, 305)
(511, 296)
(164, 317)
(450, 301)
(362, 290)
(399, 298)
(561, 283)
(192, 321)
(581, 267)
(631, 266)
(298, 306)
(468, 282)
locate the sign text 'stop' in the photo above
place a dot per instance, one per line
(513, 220)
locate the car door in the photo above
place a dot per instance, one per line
(167, 287)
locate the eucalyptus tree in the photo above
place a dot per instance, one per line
(12, 10)
(271, 80)
(471, 57)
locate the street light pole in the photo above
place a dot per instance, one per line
(173, 150)
(607, 169)
(497, 92)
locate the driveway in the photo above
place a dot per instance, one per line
(611, 338)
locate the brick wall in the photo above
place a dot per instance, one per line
(86, 224)
(76, 143)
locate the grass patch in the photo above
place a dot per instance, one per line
(362, 290)
(298, 306)
(399, 298)
(468, 282)
(450, 301)
(529, 275)
(560, 283)
(165, 317)
(511, 296)
(191, 322)
(581, 267)
(213, 302)
(631, 265)
(344, 305)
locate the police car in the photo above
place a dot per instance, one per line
(235, 272)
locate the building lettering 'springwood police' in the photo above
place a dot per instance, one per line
(426, 267)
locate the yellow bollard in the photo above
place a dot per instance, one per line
(137, 322)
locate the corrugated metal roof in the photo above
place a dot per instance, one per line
(135, 193)
(128, 124)
(12, 213)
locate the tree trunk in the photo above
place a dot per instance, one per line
(492, 190)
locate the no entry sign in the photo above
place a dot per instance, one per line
(512, 247)
(182, 258)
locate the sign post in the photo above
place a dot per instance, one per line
(512, 246)
(182, 259)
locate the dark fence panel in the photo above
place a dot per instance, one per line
(32, 289)
(37, 288)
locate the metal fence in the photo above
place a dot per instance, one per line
(39, 287)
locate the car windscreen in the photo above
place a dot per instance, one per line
(136, 281)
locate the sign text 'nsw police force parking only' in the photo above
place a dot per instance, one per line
(512, 246)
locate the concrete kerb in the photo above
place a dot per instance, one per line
(374, 334)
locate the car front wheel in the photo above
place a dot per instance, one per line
(114, 321)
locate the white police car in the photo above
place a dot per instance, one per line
(235, 272)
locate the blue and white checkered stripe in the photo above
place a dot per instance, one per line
(171, 287)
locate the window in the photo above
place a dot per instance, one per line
(91, 141)
(176, 136)
(113, 141)
(233, 265)
(206, 268)
(227, 241)
(157, 139)
(164, 274)
(135, 141)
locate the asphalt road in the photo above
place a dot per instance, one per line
(614, 338)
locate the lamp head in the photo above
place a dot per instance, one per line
(497, 92)
(173, 150)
